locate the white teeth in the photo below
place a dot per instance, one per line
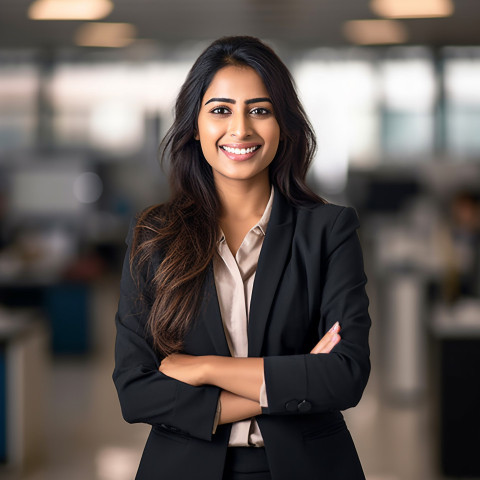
(240, 151)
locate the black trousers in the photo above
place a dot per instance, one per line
(246, 463)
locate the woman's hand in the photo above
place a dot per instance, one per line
(328, 341)
(185, 368)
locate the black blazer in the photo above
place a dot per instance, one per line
(310, 274)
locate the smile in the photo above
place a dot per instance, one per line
(240, 151)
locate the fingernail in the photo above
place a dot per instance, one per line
(334, 328)
(334, 339)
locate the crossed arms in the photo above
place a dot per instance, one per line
(240, 379)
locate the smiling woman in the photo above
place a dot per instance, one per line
(234, 293)
(237, 128)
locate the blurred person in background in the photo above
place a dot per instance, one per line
(462, 248)
(234, 292)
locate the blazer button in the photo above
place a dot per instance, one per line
(292, 405)
(304, 406)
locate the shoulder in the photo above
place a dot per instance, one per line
(146, 223)
(321, 228)
(327, 216)
(153, 214)
(143, 248)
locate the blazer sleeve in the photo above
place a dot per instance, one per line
(147, 395)
(315, 383)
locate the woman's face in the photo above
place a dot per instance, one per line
(236, 126)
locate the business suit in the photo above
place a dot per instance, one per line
(309, 275)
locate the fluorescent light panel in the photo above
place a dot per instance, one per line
(98, 34)
(69, 9)
(412, 8)
(372, 32)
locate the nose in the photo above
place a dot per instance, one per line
(240, 126)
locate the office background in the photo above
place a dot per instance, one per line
(392, 88)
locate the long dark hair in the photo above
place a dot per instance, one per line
(185, 229)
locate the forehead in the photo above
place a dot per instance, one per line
(236, 83)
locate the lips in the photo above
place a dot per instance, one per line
(239, 152)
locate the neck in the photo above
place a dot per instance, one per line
(240, 200)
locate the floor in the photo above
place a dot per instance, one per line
(87, 438)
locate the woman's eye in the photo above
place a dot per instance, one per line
(220, 110)
(260, 111)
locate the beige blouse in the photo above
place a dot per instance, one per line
(234, 277)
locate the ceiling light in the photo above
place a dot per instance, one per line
(371, 32)
(97, 34)
(412, 8)
(69, 9)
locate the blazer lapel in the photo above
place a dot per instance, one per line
(272, 260)
(210, 317)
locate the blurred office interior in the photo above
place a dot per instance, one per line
(392, 88)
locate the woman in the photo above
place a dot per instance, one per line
(234, 292)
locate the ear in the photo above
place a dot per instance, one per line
(196, 136)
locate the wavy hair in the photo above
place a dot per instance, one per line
(185, 229)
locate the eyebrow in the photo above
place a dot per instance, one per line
(247, 102)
